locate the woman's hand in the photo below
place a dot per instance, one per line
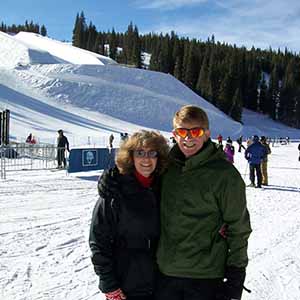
(115, 295)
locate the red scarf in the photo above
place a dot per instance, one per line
(144, 181)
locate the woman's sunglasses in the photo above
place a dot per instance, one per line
(193, 132)
(143, 153)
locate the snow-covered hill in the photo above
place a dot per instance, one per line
(77, 89)
(27, 48)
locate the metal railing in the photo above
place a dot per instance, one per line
(22, 157)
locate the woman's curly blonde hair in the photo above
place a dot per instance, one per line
(142, 139)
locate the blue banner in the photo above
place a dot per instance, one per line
(88, 159)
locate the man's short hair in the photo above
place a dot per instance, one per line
(60, 131)
(191, 113)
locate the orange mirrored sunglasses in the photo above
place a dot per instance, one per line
(193, 132)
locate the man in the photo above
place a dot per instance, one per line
(62, 145)
(264, 163)
(201, 191)
(255, 153)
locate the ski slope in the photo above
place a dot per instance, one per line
(44, 229)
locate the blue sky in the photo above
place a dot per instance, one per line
(260, 23)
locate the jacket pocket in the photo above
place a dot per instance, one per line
(138, 278)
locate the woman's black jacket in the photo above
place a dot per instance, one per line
(123, 236)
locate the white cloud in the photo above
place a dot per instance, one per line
(256, 23)
(166, 4)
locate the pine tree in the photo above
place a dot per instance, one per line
(75, 33)
(274, 93)
(113, 44)
(192, 66)
(80, 32)
(262, 96)
(91, 37)
(43, 30)
(203, 83)
(237, 106)
(136, 53)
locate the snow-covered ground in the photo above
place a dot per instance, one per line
(45, 215)
(45, 220)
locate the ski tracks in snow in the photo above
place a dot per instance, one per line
(273, 272)
(43, 237)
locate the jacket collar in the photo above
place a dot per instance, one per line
(208, 152)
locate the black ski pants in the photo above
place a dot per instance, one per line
(61, 157)
(176, 288)
(240, 147)
(255, 168)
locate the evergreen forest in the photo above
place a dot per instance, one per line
(27, 27)
(230, 77)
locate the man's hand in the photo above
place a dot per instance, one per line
(233, 286)
(115, 295)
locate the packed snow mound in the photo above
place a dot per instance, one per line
(145, 98)
(27, 48)
(15, 53)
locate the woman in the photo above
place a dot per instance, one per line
(229, 150)
(125, 223)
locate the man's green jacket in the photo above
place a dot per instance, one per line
(199, 195)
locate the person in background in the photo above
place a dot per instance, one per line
(220, 140)
(124, 229)
(172, 140)
(31, 139)
(229, 150)
(255, 154)
(240, 143)
(249, 141)
(62, 146)
(264, 163)
(299, 151)
(201, 191)
(111, 139)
